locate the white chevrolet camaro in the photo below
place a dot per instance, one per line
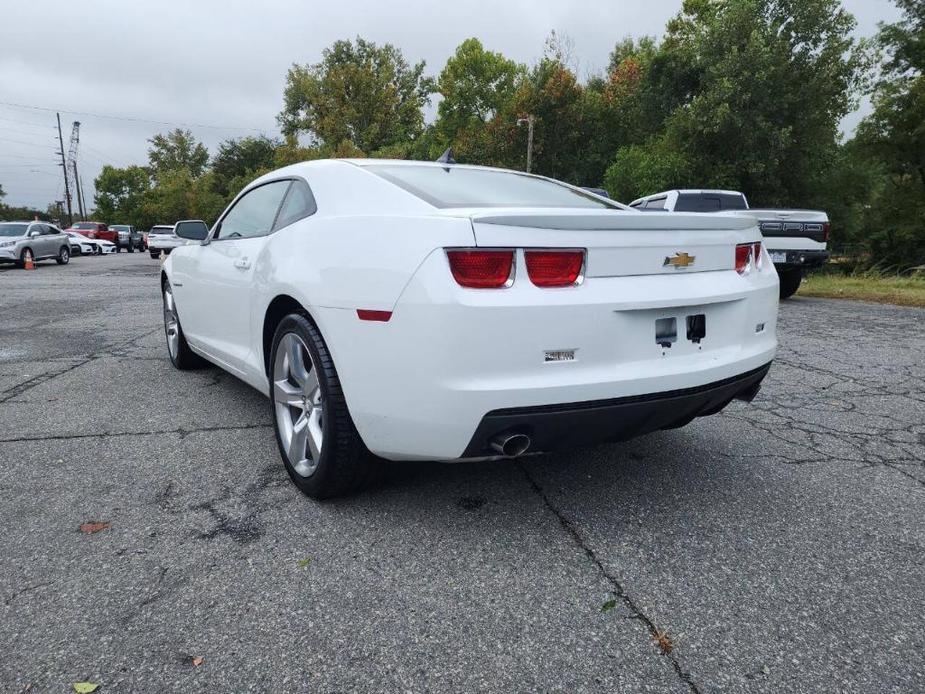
(434, 311)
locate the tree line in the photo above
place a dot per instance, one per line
(738, 94)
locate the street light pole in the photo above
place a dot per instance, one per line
(529, 120)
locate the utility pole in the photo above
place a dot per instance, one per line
(529, 120)
(67, 189)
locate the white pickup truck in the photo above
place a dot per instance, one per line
(795, 239)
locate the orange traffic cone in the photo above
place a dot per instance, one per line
(29, 264)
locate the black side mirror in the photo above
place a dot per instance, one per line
(192, 229)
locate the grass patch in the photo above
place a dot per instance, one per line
(908, 290)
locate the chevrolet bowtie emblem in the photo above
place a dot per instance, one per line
(679, 260)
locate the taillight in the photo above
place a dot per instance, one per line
(554, 268)
(756, 254)
(478, 269)
(744, 258)
(825, 231)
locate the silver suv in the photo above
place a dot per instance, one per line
(22, 241)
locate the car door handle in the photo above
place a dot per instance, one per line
(242, 264)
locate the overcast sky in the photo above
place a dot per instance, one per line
(223, 63)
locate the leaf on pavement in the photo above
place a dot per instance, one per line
(608, 606)
(197, 660)
(93, 527)
(304, 562)
(85, 687)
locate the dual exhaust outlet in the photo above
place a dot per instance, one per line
(511, 445)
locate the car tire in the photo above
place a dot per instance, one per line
(155, 256)
(336, 462)
(790, 279)
(178, 349)
(26, 253)
(64, 256)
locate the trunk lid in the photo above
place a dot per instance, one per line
(619, 242)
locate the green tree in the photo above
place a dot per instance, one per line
(476, 86)
(755, 90)
(360, 93)
(120, 195)
(178, 149)
(894, 137)
(172, 197)
(242, 157)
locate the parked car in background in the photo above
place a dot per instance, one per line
(796, 239)
(130, 238)
(32, 241)
(106, 247)
(161, 237)
(81, 245)
(95, 230)
(434, 311)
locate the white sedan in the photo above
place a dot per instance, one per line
(433, 311)
(106, 247)
(81, 245)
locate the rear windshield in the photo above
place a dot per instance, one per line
(161, 230)
(119, 227)
(453, 186)
(709, 202)
(13, 229)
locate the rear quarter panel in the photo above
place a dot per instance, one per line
(346, 263)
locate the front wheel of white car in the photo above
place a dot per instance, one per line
(323, 453)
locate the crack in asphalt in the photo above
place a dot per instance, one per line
(180, 431)
(27, 589)
(618, 590)
(116, 350)
(846, 409)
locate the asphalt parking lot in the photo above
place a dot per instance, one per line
(779, 546)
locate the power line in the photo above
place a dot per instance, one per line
(20, 142)
(19, 156)
(34, 124)
(133, 119)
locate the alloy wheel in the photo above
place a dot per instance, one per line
(171, 322)
(298, 404)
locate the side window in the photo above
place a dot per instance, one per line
(45, 230)
(299, 203)
(657, 204)
(254, 213)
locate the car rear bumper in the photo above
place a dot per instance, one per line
(801, 258)
(156, 244)
(421, 385)
(570, 425)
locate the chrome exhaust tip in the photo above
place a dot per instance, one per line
(511, 445)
